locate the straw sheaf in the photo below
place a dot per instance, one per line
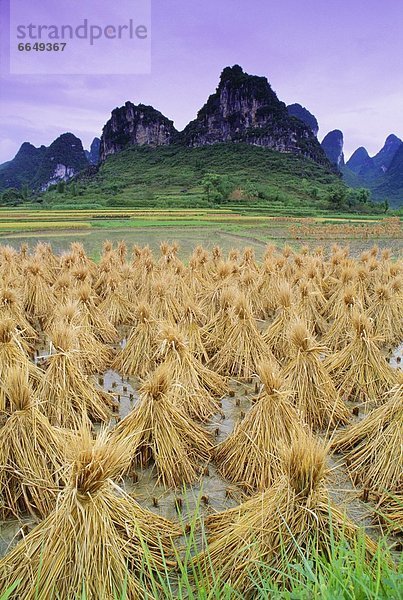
(158, 384)
(270, 377)
(305, 466)
(7, 329)
(94, 463)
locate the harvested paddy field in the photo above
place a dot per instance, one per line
(207, 418)
(229, 228)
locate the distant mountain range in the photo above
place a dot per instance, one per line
(382, 173)
(39, 168)
(243, 109)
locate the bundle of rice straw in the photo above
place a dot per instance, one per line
(336, 284)
(137, 356)
(191, 324)
(276, 333)
(31, 454)
(215, 330)
(210, 296)
(81, 275)
(80, 257)
(250, 454)
(362, 286)
(198, 272)
(106, 268)
(194, 384)
(116, 307)
(374, 448)
(359, 370)
(62, 288)
(310, 303)
(160, 430)
(336, 336)
(95, 356)
(43, 255)
(69, 398)
(12, 354)
(248, 259)
(168, 255)
(164, 304)
(98, 542)
(94, 317)
(11, 308)
(243, 348)
(384, 312)
(249, 285)
(289, 522)
(128, 284)
(268, 282)
(38, 295)
(9, 265)
(315, 395)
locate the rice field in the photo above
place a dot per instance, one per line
(229, 227)
(220, 423)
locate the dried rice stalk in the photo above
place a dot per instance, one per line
(38, 295)
(12, 354)
(92, 543)
(374, 446)
(191, 323)
(294, 515)
(10, 266)
(68, 396)
(276, 333)
(137, 357)
(385, 311)
(160, 430)
(310, 304)
(315, 395)
(250, 455)
(62, 288)
(116, 307)
(11, 308)
(222, 279)
(243, 348)
(31, 454)
(94, 355)
(194, 383)
(359, 370)
(164, 304)
(337, 335)
(94, 317)
(215, 331)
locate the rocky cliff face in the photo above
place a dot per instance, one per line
(244, 108)
(390, 186)
(39, 168)
(333, 144)
(371, 171)
(132, 125)
(301, 113)
(64, 158)
(21, 170)
(382, 174)
(93, 153)
(359, 160)
(383, 160)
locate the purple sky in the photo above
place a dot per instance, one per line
(342, 60)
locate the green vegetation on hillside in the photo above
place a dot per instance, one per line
(227, 175)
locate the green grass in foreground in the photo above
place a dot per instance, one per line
(344, 575)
